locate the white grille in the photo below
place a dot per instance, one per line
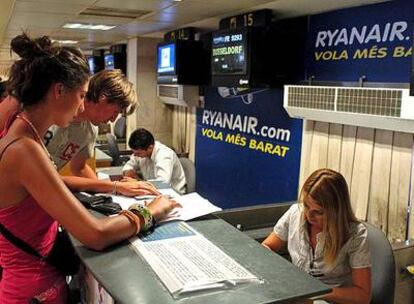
(314, 98)
(179, 95)
(113, 12)
(168, 91)
(353, 106)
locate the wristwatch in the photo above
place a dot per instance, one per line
(149, 221)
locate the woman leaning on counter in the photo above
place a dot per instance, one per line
(50, 83)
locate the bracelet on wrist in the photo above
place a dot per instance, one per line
(149, 221)
(114, 190)
(133, 218)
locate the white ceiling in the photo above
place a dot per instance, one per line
(46, 17)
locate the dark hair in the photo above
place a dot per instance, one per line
(141, 139)
(115, 87)
(43, 63)
(2, 89)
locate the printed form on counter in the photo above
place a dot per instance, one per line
(186, 262)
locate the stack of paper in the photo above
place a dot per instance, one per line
(192, 205)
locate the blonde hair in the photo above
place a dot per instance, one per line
(330, 190)
(115, 87)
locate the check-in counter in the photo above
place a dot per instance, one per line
(128, 278)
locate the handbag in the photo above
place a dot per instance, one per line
(62, 256)
(100, 203)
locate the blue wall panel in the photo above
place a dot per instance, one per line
(263, 165)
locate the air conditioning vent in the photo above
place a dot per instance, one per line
(113, 12)
(168, 91)
(179, 95)
(381, 102)
(322, 98)
(382, 108)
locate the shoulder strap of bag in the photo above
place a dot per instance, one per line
(6, 233)
(18, 242)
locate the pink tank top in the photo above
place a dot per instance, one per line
(25, 276)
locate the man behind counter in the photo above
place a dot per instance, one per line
(154, 160)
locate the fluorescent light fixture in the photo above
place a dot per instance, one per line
(83, 26)
(66, 41)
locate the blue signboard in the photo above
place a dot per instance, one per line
(247, 148)
(373, 41)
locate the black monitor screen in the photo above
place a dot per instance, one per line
(229, 52)
(166, 59)
(109, 62)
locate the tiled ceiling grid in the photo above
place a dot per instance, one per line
(154, 17)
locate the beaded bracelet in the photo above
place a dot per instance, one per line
(145, 213)
(133, 218)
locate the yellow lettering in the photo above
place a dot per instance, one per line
(252, 144)
(382, 52)
(269, 148)
(284, 150)
(318, 55)
(398, 51)
(359, 54)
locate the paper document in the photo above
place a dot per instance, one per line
(103, 176)
(192, 205)
(186, 261)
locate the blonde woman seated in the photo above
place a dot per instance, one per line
(325, 239)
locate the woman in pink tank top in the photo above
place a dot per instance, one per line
(50, 83)
(26, 276)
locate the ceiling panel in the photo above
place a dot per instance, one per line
(201, 9)
(28, 20)
(137, 28)
(150, 5)
(47, 7)
(69, 34)
(177, 20)
(289, 8)
(34, 32)
(89, 35)
(82, 2)
(101, 20)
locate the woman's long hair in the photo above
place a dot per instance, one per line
(330, 190)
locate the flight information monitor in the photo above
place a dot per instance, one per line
(166, 59)
(229, 52)
(109, 62)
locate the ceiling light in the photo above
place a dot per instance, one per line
(66, 41)
(82, 26)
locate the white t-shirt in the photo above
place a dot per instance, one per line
(353, 254)
(64, 143)
(163, 165)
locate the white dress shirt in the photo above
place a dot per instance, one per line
(163, 165)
